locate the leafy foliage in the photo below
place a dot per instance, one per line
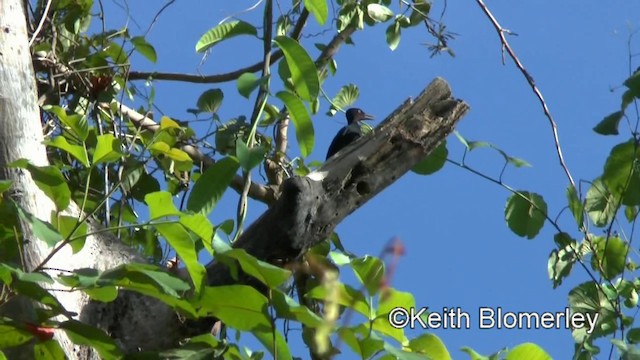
(112, 163)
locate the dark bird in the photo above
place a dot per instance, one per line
(349, 133)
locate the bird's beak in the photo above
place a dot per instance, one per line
(367, 117)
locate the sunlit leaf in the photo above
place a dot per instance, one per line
(160, 205)
(184, 244)
(248, 82)
(303, 71)
(529, 351)
(346, 97)
(68, 227)
(41, 230)
(50, 180)
(144, 48)
(249, 158)
(77, 151)
(393, 35)
(108, 149)
(209, 188)
(319, 10)
(301, 121)
(599, 204)
(239, 306)
(621, 174)
(610, 256)
(430, 345)
(370, 272)
(379, 13)
(224, 31)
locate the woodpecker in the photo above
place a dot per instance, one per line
(349, 133)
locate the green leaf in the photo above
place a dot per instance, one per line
(267, 337)
(75, 123)
(249, 158)
(77, 151)
(49, 350)
(201, 226)
(392, 299)
(633, 335)
(12, 335)
(527, 351)
(41, 230)
(238, 306)
(83, 334)
(434, 161)
(50, 180)
(420, 11)
(370, 271)
(620, 173)
(149, 280)
(393, 34)
(303, 71)
(346, 97)
(211, 185)
(589, 300)
(184, 245)
(319, 10)
(4, 186)
(210, 100)
(66, 225)
(160, 205)
(301, 121)
(630, 212)
(268, 274)
(144, 48)
(633, 83)
(476, 356)
(576, 206)
(248, 82)
(288, 308)
(609, 125)
(364, 345)
(224, 31)
(379, 13)
(108, 149)
(180, 157)
(599, 204)
(430, 345)
(610, 256)
(525, 213)
(344, 295)
(35, 291)
(561, 260)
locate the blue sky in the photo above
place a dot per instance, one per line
(460, 252)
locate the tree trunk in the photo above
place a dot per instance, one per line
(144, 322)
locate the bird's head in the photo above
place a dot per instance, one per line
(355, 115)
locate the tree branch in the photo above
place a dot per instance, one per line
(310, 207)
(265, 194)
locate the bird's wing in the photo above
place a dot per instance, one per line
(344, 137)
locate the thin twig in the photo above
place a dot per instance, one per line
(505, 46)
(43, 18)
